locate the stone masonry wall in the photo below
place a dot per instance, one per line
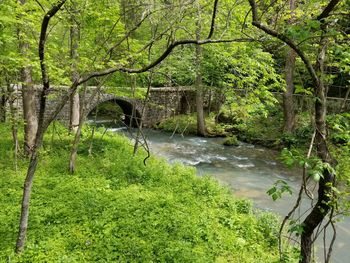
(163, 103)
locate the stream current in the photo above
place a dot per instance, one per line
(248, 170)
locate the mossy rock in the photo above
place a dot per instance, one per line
(231, 141)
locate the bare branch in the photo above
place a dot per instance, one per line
(161, 57)
(212, 26)
(41, 6)
(42, 40)
(44, 73)
(127, 34)
(325, 13)
(285, 39)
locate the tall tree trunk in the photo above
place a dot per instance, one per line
(25, 202)
(28, 95)
(201, 128)
(288, 103)
(3, 100)
(14, 117)
(41, 128)
(74, 119)
(29, 110)
(322, 207)
(74, 44)
(74, 150)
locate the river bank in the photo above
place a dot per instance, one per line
(263, 130)
(249, 171)
(258, 130)
(116, 209)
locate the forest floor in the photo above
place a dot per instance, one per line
(116, 209)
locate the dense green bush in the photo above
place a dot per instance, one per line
(339, 125)
(185, 124)
(115, 209)
(231, 141)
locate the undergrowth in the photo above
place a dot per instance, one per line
(265, 130)
(115, 209)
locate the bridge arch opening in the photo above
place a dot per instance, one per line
(115, 112)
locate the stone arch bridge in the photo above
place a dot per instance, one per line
(162, 103)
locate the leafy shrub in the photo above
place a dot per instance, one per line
(185, 124)
(231, 141)
(339, 125)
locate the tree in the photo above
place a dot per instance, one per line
(201, 129)
(28, 90)
(316, 70)
(74, 45)
(288, 104)
(3, 100)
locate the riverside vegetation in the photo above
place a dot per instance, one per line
(116, 209)
(262, 128)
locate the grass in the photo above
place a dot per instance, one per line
(115, 209)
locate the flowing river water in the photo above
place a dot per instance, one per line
(248, 170)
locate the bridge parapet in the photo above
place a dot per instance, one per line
(162, 103)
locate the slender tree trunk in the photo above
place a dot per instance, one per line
(25, 202)
(201, 128)
(13, 119)
(29, 111)
(82, 113)
(41, 128)
(3, 101)
(74, 151)
(288, 103)
(28, 95)
(74, 119)
(74, 44)
(94, 125)
(322, 207)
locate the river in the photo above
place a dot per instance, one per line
(248, 170)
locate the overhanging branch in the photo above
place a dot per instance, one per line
(212, 26)
(45, 76)
(160, 58)
(329, 8)
(284, 39)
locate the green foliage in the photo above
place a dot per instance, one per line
(342, 154)
(339, 125)
(184, 124)
(315, 167)
(109, 109)
(248, 80)
(116, 209)
(278, 189)
(231, 141)
(295, 227)
(257, 128)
